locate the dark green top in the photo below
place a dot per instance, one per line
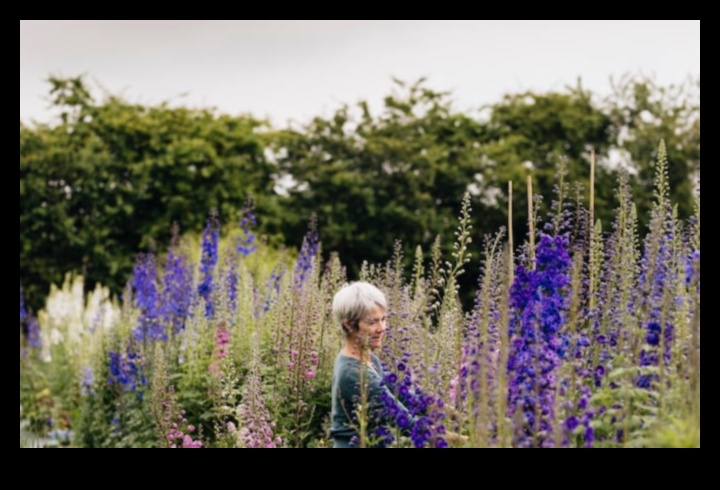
(346, 397)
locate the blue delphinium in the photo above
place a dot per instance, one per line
(177, 291)
(126, 371)
(540, 302)
(210, 239)
(426, 428)
(146, 299)
(656, 275)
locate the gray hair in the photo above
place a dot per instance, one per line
(354, 301)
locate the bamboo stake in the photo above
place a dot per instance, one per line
(531, 222)
(592, 230)
(510, 233)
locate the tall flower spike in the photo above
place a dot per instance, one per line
(307, 253)
(256, 430)
(246, 242)
(126, 370)
(231, 281)
(210, 239)
(33, 333)
(177, 291)
(146, 299)
(23, 311)
(539, 298)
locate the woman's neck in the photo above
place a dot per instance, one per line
(354, 350)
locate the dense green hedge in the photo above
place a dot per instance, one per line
(109, 178)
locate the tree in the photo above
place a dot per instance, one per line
(111, 178)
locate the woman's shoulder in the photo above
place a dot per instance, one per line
(344, 363)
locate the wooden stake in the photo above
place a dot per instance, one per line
(511, 263)
(531, 222)
(592, 230)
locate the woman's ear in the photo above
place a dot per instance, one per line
(348, 326)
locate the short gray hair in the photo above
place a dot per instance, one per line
(354, 301)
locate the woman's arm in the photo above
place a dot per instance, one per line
(383, 403)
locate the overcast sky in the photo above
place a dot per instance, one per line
(285, 69)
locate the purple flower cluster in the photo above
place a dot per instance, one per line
(231, 282)
(257, 428)
(33, 333)
(656, 275)
(179, 439)
(246, 243)
(126, 370)
(573, 422)
(649, 356)
(273, 287)
(539, 299)
(177, 289)
(23, 311)
(307, 253)
(210, 240)
(222, 339)
(146, 299)
(424, 428)
(692, 267)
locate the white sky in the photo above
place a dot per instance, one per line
(285, 69)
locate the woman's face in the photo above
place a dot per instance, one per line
(372, 328)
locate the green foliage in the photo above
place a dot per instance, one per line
(404, 170)
(111, 178)
(644, 113)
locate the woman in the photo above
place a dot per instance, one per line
(361, 311)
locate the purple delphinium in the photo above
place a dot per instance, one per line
(126, 370)
(656, 275)
(692, 268)
(540, 301)
(177, 291)
(273, 286)
(476, 381)
(427, 428)
(210, 239)
(307, 253)
(33, 333)
(589, 431)
(571, 423)
(658, 280)
(598, 375)
(23, 311)
(246, 243)
(231, 282)
(146, 299)
(481, 337)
